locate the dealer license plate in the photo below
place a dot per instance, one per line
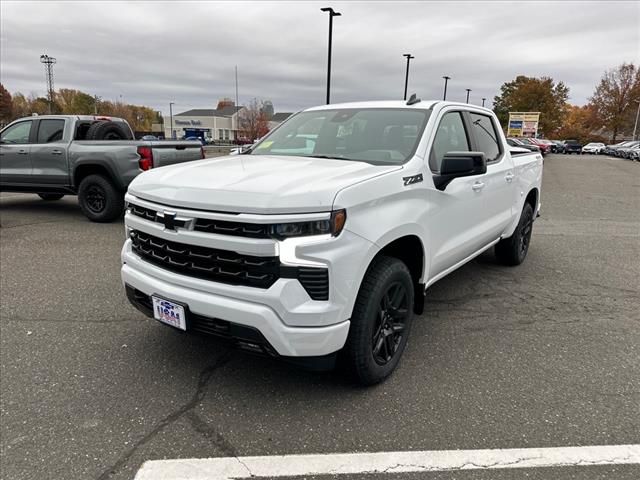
(169, 313)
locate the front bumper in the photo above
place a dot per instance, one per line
(291, 322)
(284, 340)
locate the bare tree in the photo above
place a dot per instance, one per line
(252, 120)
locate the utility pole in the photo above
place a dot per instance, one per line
(96, 99)
(331, 15)
(635, 127)
(235, 134)
(468, 91)
(406, 78)
(171, 104)
(446, 80)
(48, 68)
(483, 101)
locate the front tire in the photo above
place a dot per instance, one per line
(99, 199)
(50, 197)
(381, 321)
(513, 250)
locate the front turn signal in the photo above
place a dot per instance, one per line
(338, 219)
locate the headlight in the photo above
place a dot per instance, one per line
(332, 226)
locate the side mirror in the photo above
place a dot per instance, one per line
(459, 164)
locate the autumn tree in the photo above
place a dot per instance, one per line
(614, 99)
(580, 123)
(531, 94)
(19, 106)
(75, 102)
(6, 106)
(252, 120)
(40, 105)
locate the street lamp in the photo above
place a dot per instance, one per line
(483, 101)
(48, 67)
(331, 15)
(636, 125)
(446, 80)
(468, 91)
(171, 104)
(406, 78)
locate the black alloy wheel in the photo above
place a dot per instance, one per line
(381, 321)
(100, 200)
(513, 250)
(526, 227)
(96, 199)
(388, 331)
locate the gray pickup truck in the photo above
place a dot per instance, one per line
(92, 157)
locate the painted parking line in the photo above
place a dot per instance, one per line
(386, 462)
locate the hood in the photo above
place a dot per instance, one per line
(254, 183)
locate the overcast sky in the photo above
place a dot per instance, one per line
(153, 53)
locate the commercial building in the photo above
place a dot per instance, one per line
(210, 124)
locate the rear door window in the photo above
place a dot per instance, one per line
(50, 131)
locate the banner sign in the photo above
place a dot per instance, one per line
(523, 124)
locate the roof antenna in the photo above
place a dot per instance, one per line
(413, 99)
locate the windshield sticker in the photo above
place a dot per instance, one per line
(266, 144)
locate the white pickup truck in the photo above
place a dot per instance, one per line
(324, 236)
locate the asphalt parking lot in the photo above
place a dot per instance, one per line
(542, 355)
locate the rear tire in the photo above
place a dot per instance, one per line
(513, 250)
(99, 199)
(49, 197)
(381, 321)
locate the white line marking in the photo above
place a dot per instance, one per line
(386, 462)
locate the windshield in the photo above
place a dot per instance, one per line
(374, 135)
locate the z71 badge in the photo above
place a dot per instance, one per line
(413, 179)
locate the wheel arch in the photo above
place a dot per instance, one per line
(410, 249)
(84, 169)
(532, 199)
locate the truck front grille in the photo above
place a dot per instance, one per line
(251, 230)
(207, 263)
(221, 227)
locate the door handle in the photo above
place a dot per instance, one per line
(23, 152)
(56, 152)
(509, 176)
(477, 186)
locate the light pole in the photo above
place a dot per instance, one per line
(446, 80)
(483, 101)
(468, 91)
(406, 78)
(331, 15)
(171, 104)
(48, 67)
(636, 125)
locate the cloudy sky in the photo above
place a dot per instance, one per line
(153, 53)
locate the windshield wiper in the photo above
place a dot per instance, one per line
(330, 157)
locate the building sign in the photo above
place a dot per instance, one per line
(523, 124)
(187, 122)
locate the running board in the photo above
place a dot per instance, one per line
(459, 264)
